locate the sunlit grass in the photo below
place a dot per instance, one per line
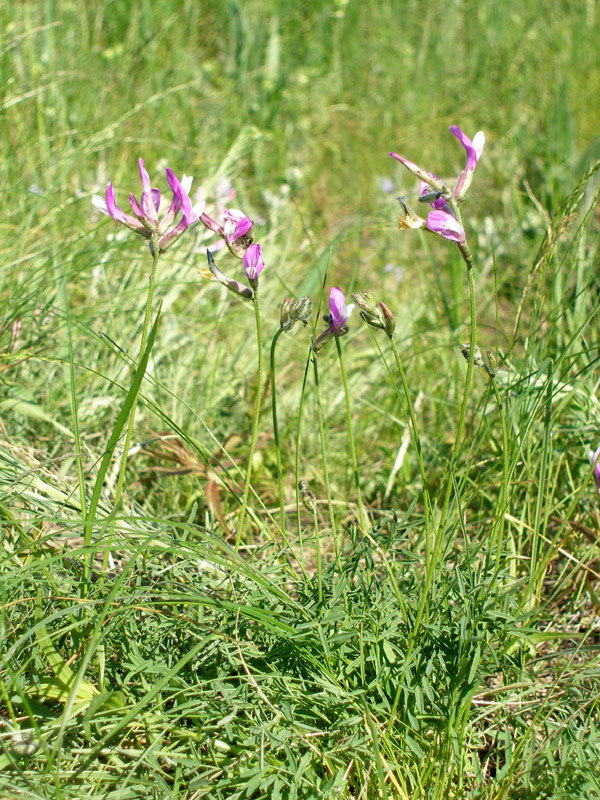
(188, 667)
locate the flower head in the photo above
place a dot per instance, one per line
(377, 316)
(145, 221)
(293, 311)
(474, 150)
(339, 314)
(254, 263)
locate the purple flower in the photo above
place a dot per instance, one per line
(237, 224)
(474, 150)
(340, 312)
(595, 460)
(254, 263)
(446, 225)
(145, 221)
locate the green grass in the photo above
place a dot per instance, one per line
(442, 653)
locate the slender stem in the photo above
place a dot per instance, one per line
(145, 329)
(468, 259)
(255, 421)
(503, 499)
(131, 420)
(323, 441)
(364, 521)
(297, 461)
(428, 515)
(318, 553)
(276, 432)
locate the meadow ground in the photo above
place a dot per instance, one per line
(422, 620)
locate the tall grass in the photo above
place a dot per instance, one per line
(203, 659)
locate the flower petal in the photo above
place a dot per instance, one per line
(253, 262)
(429, 177)
(340, 312)
(446, 225)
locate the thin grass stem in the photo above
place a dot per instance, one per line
(276, 433)
(364, 521)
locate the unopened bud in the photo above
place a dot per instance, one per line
(390, 322)
(293, 311)
(308, 498)
(478, 361)
(285, 317)
(302, 310)
(371, 313)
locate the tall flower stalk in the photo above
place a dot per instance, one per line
(253, 265)
(445, 220)
(337, 319)
(161, 233)
(364, 521)
(292, 311)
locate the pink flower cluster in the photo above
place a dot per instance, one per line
(441, 219)
(162, 230)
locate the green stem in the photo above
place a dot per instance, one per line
(145, 329)
(426, 496)
(318, 553)
(255, 421)
(468, 259)
(503, 499)
(364, 522)
(276, 432)
(131, 420)
(297, 458)
(323, 441)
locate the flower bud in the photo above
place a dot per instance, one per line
(478, 361)
(302, 310)
(390, 322)
(308, 498)
(286, 323)
(371, 314)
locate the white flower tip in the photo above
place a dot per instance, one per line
(99, 204)
(186, 183)
(478, 142)
(349, 310)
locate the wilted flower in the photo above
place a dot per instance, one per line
(216, 274)
(474, 150)
(595, 460)
(408, 218)
(254, 263)
(427, 177)
(337, 318)
(145, 221)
